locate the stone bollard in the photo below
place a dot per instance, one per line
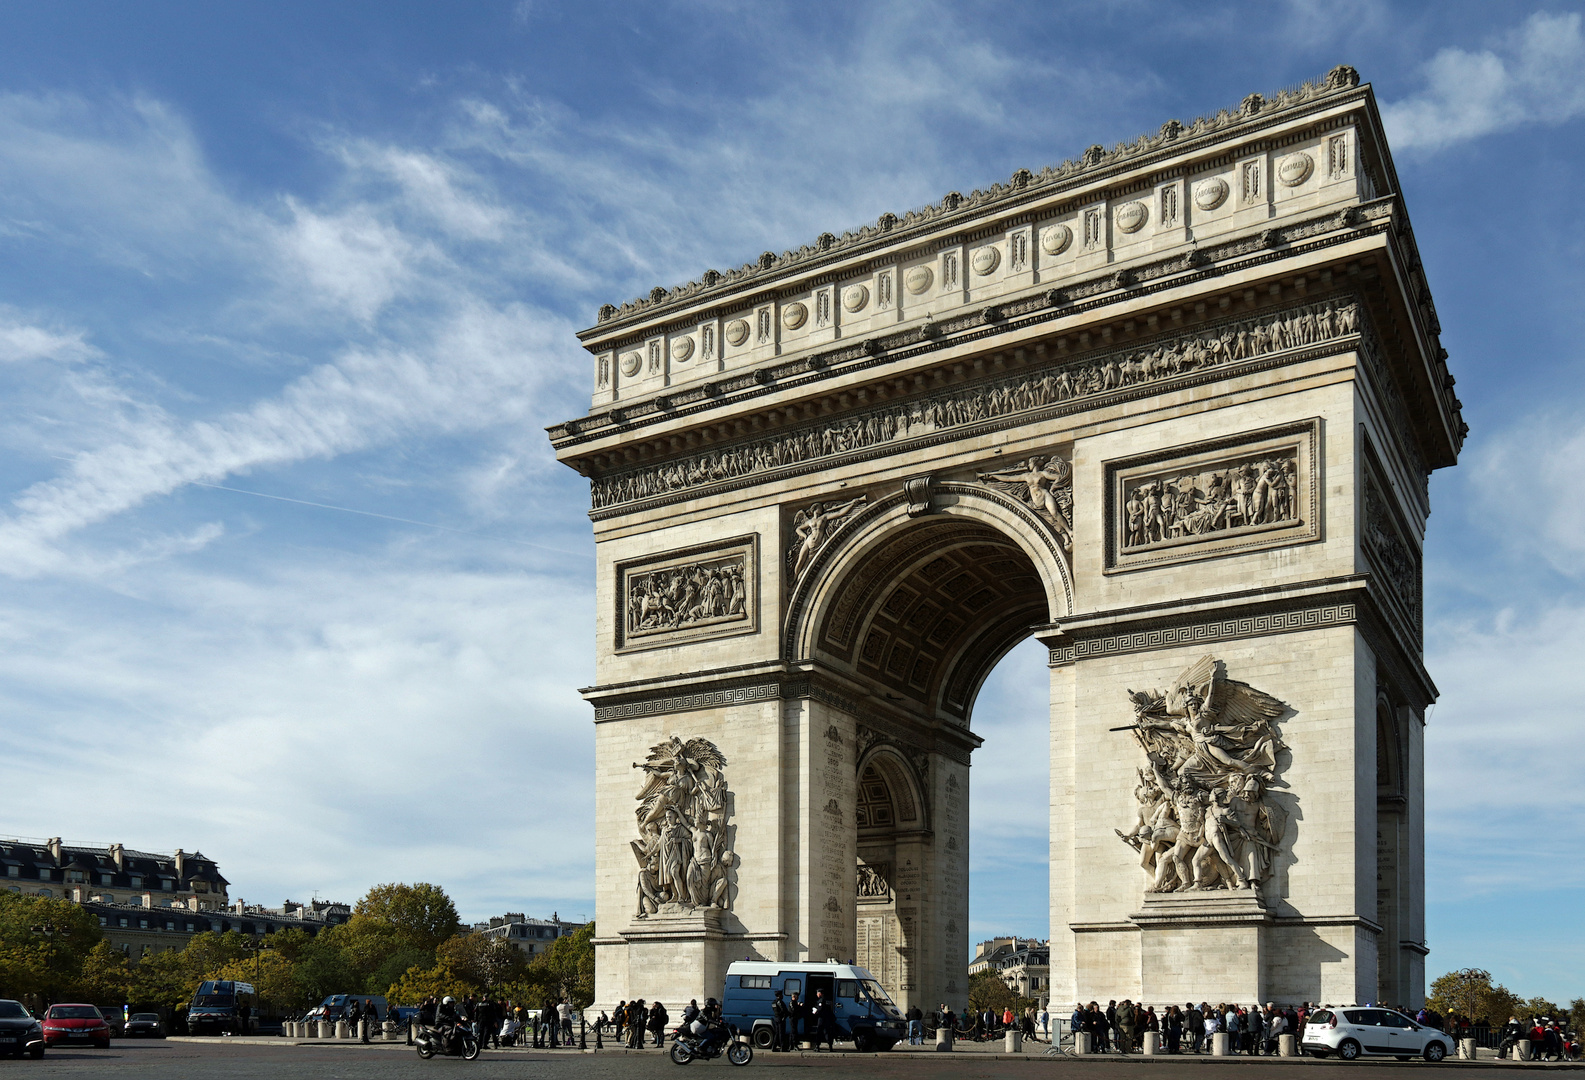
(1013, 1042)
(342, 1031)
(1082, 1043)
(1466, 1049)
(1152, 1044)
(1523, 1049)
(943, 1038)
(324, 1029)
(1287, 1046)
(1219, 1044)
(363, 1031)
(388, 1029)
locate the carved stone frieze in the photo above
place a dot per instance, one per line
(874, 881)
(1231, 343)
(1205, 819)
(681, 596)
(684, 858)
(1395, 560)
(1257, 489)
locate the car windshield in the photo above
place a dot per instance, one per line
(212, 999)
(1320, 1016)
(12, 1010)
(876, 991)
(73, 1012)
(147, 1017)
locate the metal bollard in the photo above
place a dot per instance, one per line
(583, 1031)
(1152, 1044)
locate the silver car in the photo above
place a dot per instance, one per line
(1351, 1032)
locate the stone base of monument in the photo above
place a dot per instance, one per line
(672, 952)
(1151, 1044)
(1204, 944)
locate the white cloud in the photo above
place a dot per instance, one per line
(1532, 465)
(1534, 75)
(21, 342)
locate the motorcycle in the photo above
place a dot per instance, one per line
(432, 1041)
(686, 1046)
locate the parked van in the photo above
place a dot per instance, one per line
(220, 1007)
(864, 1011)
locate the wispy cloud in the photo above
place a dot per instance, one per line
(1534, 74)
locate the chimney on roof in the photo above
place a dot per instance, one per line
(118, 853)
(54, 844)
(497, 920)
(181, 863)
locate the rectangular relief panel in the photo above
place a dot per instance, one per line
(1257, 489)
(692, 594)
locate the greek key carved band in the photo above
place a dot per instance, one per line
(1281, 622)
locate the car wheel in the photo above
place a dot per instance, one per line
(862, 1042)
(763, 1037)
(1348, 1050)
(1435, 1051)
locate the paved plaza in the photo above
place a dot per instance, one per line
(227, 1060)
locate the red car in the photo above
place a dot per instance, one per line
(67, 1025)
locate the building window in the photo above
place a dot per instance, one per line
(143, 924)
(104, 879)
(103, 921)
(76, 877)
(123, 920)
(137, 881)
(45, 893)
(189, 928)
(170, 925)
(108, 899)
(13, 871)
(167, 884)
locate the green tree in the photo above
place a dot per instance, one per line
(1470, 992)
(420, 916)
(163, 981)
(566, 969)
(417, 984)
(988, 991)
(106, 976)
(43, 943)
(1539, 1006)
(482, 961)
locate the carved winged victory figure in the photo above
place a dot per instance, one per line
(1045, 483)
(814, 526)
(1205, 820)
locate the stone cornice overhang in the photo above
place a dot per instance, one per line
(743, 684)
(1352, 600)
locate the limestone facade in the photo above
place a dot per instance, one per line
(831, 489)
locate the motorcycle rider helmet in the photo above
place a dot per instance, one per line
(448, 1000)
(710, 1003)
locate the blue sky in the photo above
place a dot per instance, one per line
(288, 293)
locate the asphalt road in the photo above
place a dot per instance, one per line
(158, 1060)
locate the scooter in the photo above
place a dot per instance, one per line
(713, 1043)
(432, 1041)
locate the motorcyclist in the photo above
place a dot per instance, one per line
(448, 1018)
(708, 1028)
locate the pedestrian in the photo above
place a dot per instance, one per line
(916, 1026)
(1127, 1027)
(1174, 1032)
(779, 1036)
(796, 1022)
(564, 1011)
(657, 1023)
(825, 1022)
(1109, 1032)
(1045, 1022)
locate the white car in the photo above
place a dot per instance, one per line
(1351, 1032)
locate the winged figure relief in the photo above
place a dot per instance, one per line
(813, 527)
(1205, 818)
(1045, 483)
(682, 849)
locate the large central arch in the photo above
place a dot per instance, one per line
(905, 611)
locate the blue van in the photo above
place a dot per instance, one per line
(864, 1010)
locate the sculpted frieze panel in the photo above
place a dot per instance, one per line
(1230, 343)
(812, 527)
(684, 858)
(1205, 818)
(1044, 482)
(1394, 559)
(1249, 491)
(687, 595)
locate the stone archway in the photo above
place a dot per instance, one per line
(1171, 408)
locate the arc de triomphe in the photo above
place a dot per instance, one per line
(1171, 409)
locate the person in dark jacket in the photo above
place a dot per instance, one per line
(825, 1021)
(780, 1036)
(657, 1023)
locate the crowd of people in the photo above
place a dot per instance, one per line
(1549, 1040)
(1188, 1029)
